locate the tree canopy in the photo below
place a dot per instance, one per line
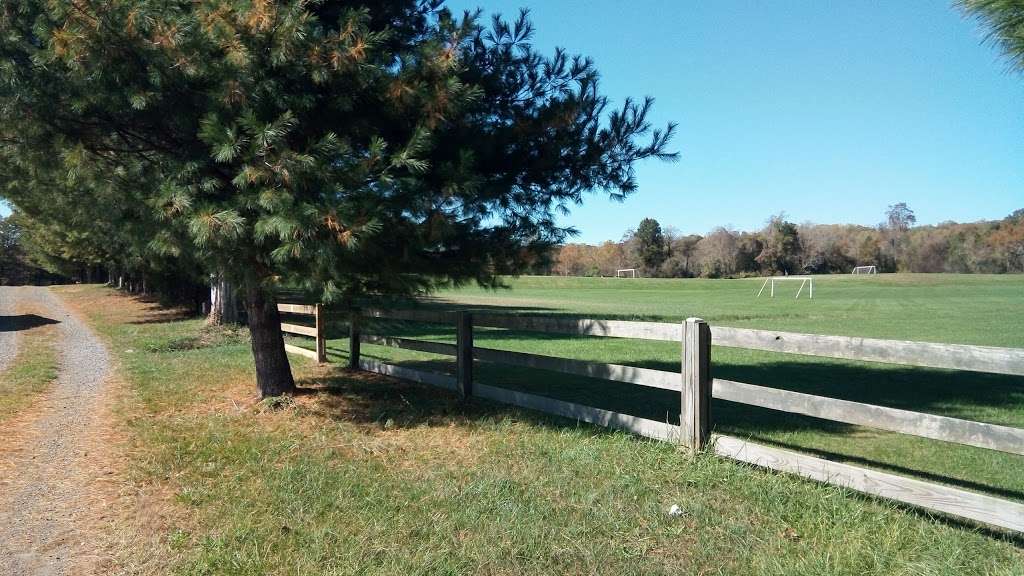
(780, 252)
(356, 148)
(1004, 20)
(899, 217)
(651, 245)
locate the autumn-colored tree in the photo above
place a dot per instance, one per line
(1008, 241)
(609, 257)
(717, 253)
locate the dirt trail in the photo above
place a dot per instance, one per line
(52, 471)
(8, 336)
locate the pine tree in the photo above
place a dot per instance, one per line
(361, 149)
(651, 246)
(1005, 22)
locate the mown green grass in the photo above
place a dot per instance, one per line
(31, 372)
(372, 476)
(955, 308)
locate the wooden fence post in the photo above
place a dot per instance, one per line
(695, 416)
(354, 334)
(321, 334)
(464, 353)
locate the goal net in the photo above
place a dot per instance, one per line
(805, 281)
(626, 273)
(865, 270)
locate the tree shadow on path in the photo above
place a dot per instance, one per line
(155, 312)
(20, 322)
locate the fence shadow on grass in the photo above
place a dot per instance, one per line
(371, 399)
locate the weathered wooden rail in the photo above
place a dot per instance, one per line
(318, 331)
(696, 388)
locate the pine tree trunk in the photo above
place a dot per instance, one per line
(216, 316)
(223, 302)
(273, 372)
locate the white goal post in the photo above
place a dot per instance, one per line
(804, 281)
(621, 273)
(864, 270)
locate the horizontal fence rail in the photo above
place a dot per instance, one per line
(428, 316)
(614, 372)
(927, 495)
(422, 376)
(297, 329)
(664, 331)
(300, 351)
(967, 432)
(309, 309)
(580, 412)
(924, 354)
(696, 388)
(410, 344)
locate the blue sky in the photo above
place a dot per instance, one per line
(829, 111)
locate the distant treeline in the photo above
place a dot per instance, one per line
(782, 247)
(33, 252)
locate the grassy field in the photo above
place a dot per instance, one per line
(33, 369)
(366, 475)
(955, 308)
(986, 310)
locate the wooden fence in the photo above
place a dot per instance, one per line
(317, 331)
(697, 388)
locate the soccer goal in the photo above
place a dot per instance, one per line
(865, 270)
(805, 281)
(626, 273)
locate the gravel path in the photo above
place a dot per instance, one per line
(8, 337)
(49, 469)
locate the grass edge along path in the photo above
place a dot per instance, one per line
(363, 474)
